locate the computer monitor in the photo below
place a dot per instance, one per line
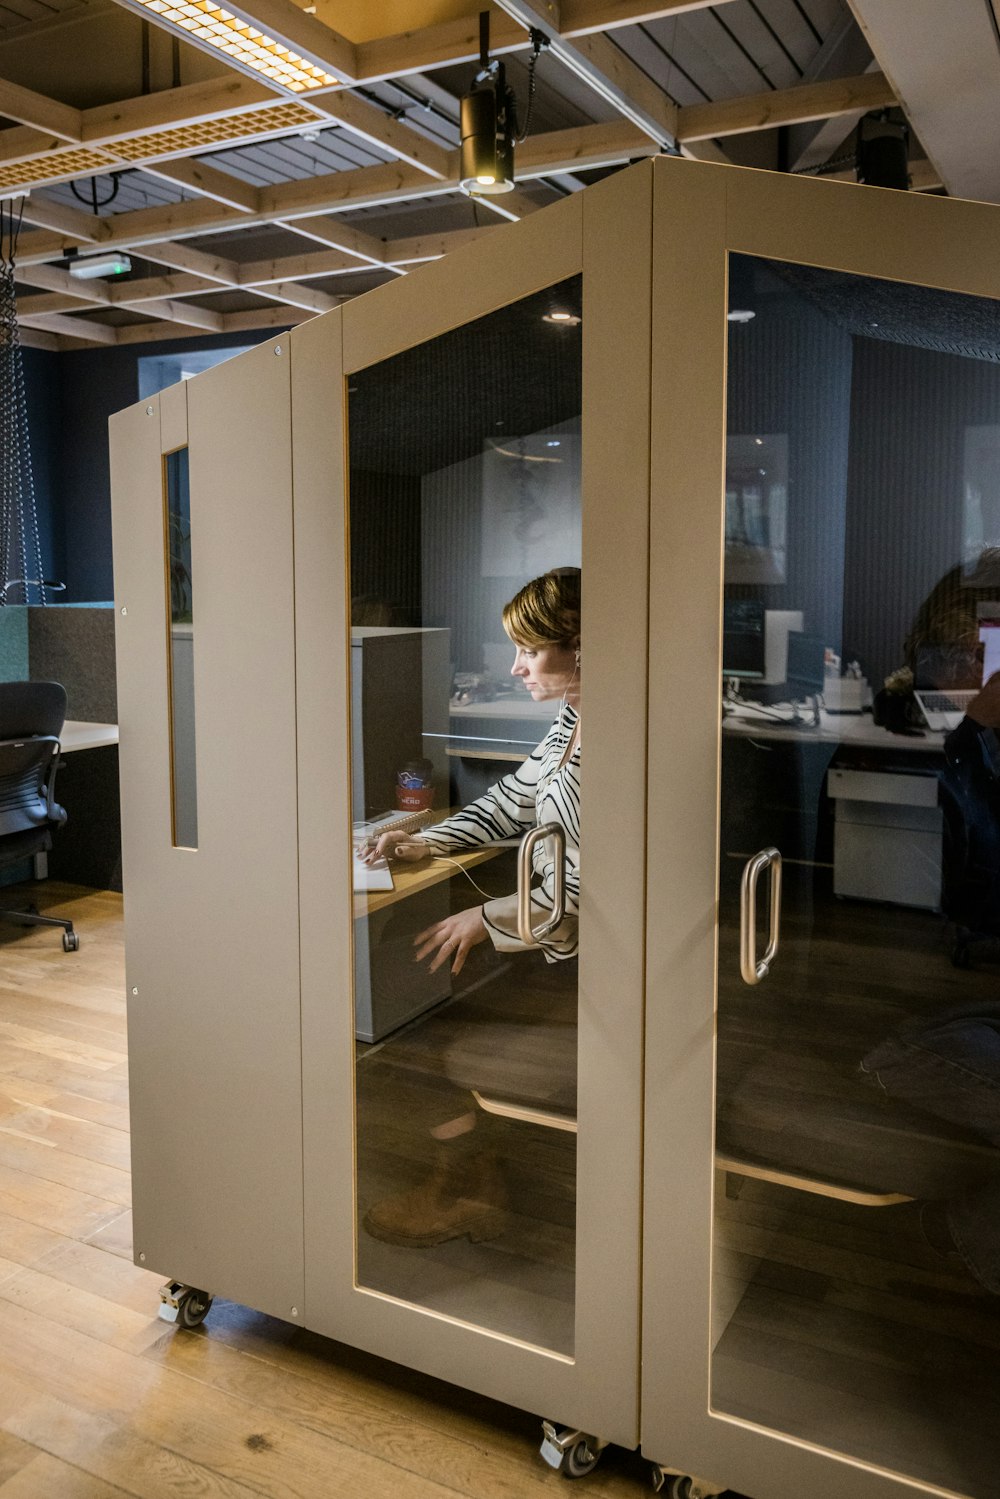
(743, 639)
(805, 672)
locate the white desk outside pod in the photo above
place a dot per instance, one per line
(77, 734)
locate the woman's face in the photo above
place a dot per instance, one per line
(547, 671)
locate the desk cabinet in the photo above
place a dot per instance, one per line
(888, 837)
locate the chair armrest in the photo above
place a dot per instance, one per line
(53, 811)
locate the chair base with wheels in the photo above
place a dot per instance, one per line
(31, 916)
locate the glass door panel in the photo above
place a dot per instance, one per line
(857, 1228)
(464, 458)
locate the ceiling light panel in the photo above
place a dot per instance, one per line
(188, 139)
(56, 166)
(239, 42)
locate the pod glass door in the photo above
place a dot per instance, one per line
(465, 528)
(856, 1269)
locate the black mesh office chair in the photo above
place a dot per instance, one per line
(31, 719)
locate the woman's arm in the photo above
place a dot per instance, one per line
(505, 811)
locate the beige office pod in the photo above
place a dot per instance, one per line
(822, 1208)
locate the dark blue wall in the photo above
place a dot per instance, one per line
(41, 392)
(70, 397)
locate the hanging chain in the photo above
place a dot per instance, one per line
(20, 544)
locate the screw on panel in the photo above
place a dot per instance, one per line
(142, 1259)
(295, 1311)
(277, 348)
(135, 988)
(124, 610)
(150, 410)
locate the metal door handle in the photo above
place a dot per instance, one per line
(530, 937)
(752, 970)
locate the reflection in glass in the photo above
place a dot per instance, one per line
(465, 487)
(857, 1234)
(180, 638)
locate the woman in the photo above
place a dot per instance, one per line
(543, 622)
(466, 1194)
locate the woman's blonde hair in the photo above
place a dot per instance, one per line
(546, 611)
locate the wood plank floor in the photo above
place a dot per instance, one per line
(98, 1398)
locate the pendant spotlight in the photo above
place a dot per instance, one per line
(489, 119)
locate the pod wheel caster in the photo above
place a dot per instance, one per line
(71, 942)
(682, 1486)
(185, 1305)
(572, 1453)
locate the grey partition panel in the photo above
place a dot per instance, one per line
(76, 646)
(212, 932)
(13, 643)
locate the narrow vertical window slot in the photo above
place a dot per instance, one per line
(180, 648)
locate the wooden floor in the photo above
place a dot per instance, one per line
(98, 1398)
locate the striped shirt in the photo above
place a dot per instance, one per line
(539, 791)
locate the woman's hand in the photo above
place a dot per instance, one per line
(452, 938)
(394, 846)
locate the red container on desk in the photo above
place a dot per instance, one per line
(414, 788)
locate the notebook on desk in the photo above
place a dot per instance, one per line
(378, 876)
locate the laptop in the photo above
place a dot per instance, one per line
(946, 680)
(944, 710)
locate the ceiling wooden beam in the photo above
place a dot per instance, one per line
(191, 104)
(197, 262)
(143, 226)
(46, 214)
(581, 147)
(40, 113)
(233, 322)
(364, 187)
(20, 143)
(266, 317)
(608, 70)
(185, 312)
(48, 302)
(54, 279)
(413, 250)
(34, 338)
(198, 177)
(153, 288)
(790, 106)
(377, 128)
(339, 236)
(297, 267)
(281, 278)
(578, 17)
(422, 50)
(72, 327)
(294, 295)
(305, 206)
(135, 122)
